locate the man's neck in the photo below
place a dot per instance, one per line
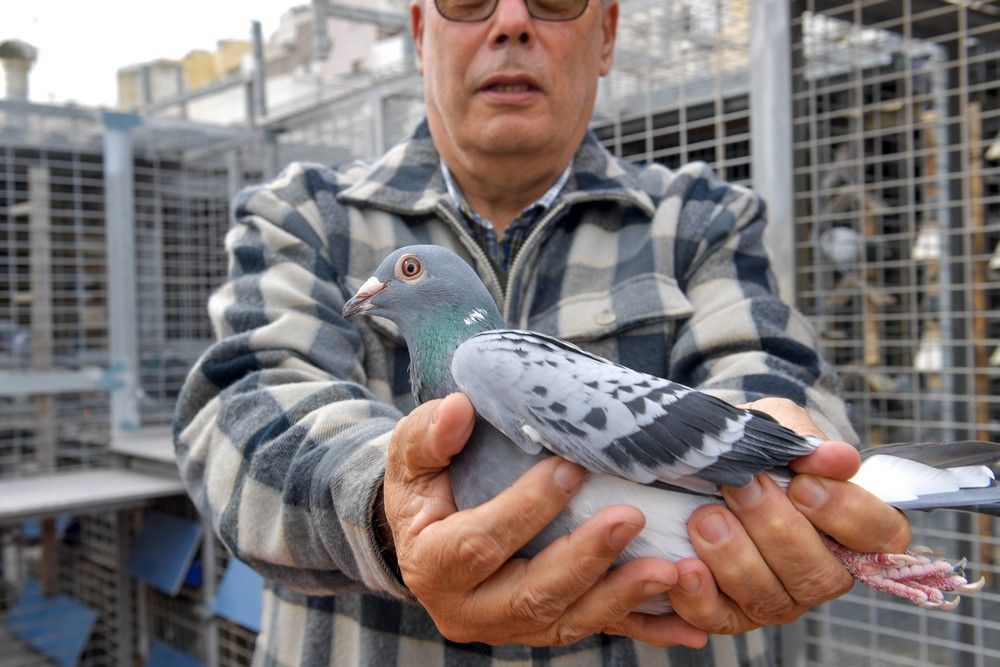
(500, 191)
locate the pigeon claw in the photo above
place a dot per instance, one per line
(913, 576)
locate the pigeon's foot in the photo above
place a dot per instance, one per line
(917, 575)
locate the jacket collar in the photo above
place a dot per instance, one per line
(407, 180)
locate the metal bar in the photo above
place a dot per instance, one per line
(123, 588)
(382, 19)
(27, 383)
(42, 320)
(771, 131)
(209, 579)
(81, 492)
(259, 82)
(122, 308)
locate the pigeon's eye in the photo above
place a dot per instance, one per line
(409, 267)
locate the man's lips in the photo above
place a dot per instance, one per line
(510, 85)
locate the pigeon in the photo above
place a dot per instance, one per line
(648, 442)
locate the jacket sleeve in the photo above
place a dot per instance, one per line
(279, 441)
(743, 342)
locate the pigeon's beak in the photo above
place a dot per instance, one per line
(360, 303)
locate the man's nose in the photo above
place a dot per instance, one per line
(511, 20)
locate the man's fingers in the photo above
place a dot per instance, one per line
(698, 601)
(850, 515)
(577, 565)
(790, 546)
(570, 565)
(431, 435)
(665, 630)
(833, 460)
(788, 414)
(739, 568)
(484, 537)
(614, 597)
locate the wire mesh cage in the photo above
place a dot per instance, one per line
(895, 107)
(62, 596)
(896, 174)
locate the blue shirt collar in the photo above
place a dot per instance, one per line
(545, 201)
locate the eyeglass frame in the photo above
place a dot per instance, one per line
(496, 3)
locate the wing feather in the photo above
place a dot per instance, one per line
(539, 390)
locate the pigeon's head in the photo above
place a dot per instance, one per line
(426, 286)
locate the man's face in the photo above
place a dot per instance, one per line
(512, 84)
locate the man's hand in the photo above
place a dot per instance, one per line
(762, 559)
(459, 565)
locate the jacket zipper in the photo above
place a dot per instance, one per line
(473, 247)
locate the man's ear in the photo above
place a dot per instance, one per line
(417, 28)
(609, 31)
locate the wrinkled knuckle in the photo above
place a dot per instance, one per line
(822, 587)
(777, 527)
(532, 607)
(568, 633)
(584, 570)
(772, 610)
(729, 623)
(617, 607)
(479, 550)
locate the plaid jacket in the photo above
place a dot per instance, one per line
(282, 427)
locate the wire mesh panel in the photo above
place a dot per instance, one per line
(53, 307)
(678, 91)
(896, 108)
(61, 596)
(181, 217)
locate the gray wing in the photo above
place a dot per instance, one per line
(543, 392)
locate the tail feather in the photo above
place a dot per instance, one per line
(982, 501)
(941, 454)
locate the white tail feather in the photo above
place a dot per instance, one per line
(893, 479)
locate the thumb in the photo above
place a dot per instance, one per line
(833, 460)
(425, 442)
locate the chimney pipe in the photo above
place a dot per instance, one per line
(17, 58)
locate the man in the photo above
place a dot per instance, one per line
(290, 431)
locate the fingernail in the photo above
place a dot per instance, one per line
(713, 528)
(690, 582)
(745, 496)
(568, 476)
(622, 534)
(651, 588)
(807, 491)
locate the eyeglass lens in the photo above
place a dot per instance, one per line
(480, 10)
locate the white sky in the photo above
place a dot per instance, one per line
(82, 44)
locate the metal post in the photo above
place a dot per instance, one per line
(123, 603)
(42, 314)
(771, 131)
(321, 37)
(773, 179)
(376, 126)
(123, 338)
(259, 71)
(209, 575)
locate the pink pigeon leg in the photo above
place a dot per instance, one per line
(912, 576)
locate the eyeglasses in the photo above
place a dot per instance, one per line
(480, 10)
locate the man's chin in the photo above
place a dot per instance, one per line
(512, 134)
